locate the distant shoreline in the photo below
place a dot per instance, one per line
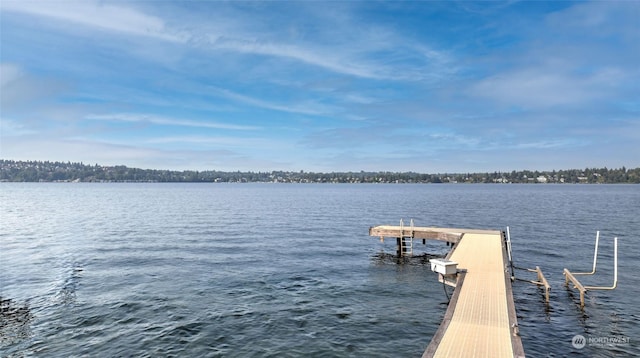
(39, 171)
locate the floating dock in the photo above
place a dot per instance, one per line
(481, 318)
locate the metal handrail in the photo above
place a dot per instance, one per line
(595, 258)
(509, 245)
(570, 276)
(615, 270)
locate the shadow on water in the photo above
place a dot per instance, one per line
(383, 258)
(14, 322)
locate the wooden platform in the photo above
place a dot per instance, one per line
(480, 320)
(431, 233)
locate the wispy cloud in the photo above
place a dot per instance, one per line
(9, 73)
(45, 148)
(11, 128)
(546, 87)
(333, 62)
(19, 88)
(549, 144)
(100, 15)
(153, 119)
(570, 61)
(339, 57)
(384, 138)
(310, 108)
(398, 59)
(217, 141)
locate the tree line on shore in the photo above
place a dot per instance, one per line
(45, 171)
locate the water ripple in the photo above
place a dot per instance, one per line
(288, 270)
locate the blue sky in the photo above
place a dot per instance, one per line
(417, 86)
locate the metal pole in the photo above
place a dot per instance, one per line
(509, 244)
(595, 258)
(615, 262)
(615, 270)
(513, 274)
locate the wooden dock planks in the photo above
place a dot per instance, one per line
(481, 317)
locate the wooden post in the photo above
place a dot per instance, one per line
(399, 242)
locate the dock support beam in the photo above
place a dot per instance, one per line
(568, 276)
(542, 281)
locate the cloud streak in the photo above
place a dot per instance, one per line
(304, 108)
(122, 19)
(348, 60)
(163, 121)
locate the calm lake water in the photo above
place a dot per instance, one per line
(277, 270)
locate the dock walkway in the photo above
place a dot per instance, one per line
(480, 320)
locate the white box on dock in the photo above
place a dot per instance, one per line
(445, 267)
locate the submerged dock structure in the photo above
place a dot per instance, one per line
(481, 319)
